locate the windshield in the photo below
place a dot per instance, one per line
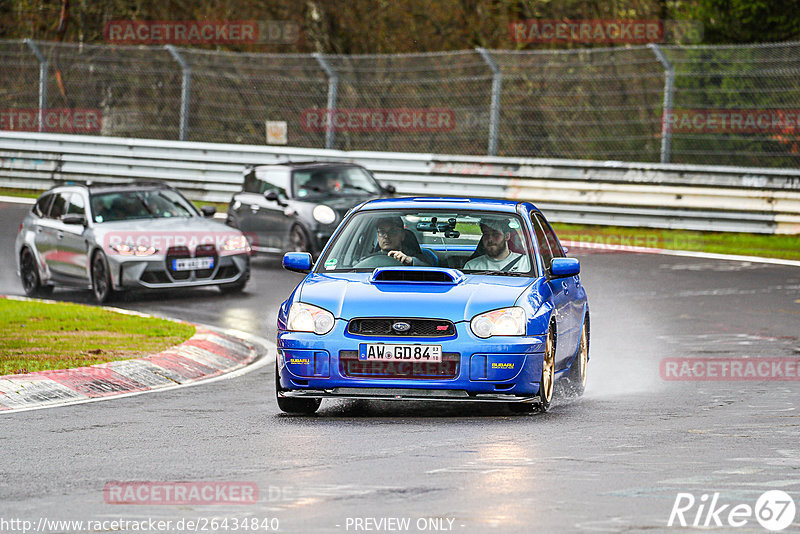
(340, 181)
(471, 241)
(140, 204)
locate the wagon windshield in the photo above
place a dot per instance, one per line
(471, 241)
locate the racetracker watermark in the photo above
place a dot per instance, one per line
(56, 120)
(378, 120)
(144, 32)
(143, 244)
(730, 369)
(734, 121)
(604, 31)
(176, 493)
(774, 510)
(623, 242)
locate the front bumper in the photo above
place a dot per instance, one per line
(499, 369)
(129, 272)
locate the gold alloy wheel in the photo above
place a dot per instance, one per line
(584, 355)
(548, 370)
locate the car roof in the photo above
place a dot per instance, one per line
(302, 165)
(102, 187)
(454, 203)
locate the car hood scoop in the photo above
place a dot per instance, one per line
(400, 275)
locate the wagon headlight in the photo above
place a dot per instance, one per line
(236, 243)
(133, 250)
(324, 214)
(503, 322)
(307, 318)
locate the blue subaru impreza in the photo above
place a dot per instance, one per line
(454, 299)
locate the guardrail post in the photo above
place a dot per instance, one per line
(494, 110)
(186, 87)
(333, 95)
(42, 81)
(669, 89)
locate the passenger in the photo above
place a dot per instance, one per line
(498, 257)
(398, 243)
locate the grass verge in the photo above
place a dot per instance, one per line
(38, 336)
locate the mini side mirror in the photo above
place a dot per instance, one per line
(271, 195)
(208, 211)
(390, 189)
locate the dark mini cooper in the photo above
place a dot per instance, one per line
(297, 206)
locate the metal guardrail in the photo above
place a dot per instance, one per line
(652, 195)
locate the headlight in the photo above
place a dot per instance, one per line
(134, 250)
(236, 243)
(504, 322)
(307, 318)
(324, 214)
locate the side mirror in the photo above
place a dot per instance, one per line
(299, 262)
(563, 267)
(208, 211)
(73, 218)
(272, 196)
(390, 189)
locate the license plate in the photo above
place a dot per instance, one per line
(384, 352)
(191, 264)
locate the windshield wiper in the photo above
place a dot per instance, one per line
(496, 273)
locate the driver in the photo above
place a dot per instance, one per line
(391, 240)
(496, 234)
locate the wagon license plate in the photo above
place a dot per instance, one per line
(191, 264)
(384, 352)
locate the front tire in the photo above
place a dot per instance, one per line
(547, 381)
(101, 279)
(29, 276)
(298, 240)
(294, 405)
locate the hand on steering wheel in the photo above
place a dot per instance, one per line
(400, 256)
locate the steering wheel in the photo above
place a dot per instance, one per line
(377, 259)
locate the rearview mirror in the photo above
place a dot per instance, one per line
(299, 262)
(74, 218)
(563, 267)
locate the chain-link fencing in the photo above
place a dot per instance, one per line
(728, 105)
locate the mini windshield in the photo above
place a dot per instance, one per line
(471, 241)
(140, 204)
(334, 181)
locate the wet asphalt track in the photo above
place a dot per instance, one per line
(612, 461)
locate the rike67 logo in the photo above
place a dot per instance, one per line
(774, 510)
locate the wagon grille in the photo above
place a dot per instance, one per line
(383, 326)
(351, 366)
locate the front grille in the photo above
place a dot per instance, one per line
(206, 251)
(351, 366)
(382, 326)
(175, 253)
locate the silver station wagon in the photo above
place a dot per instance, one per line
(113, 237)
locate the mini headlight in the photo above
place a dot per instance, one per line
(307, 318)
(236, 243)
(503, 322)
(134, 250)
(324, 214)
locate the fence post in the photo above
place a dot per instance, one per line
(669, 89)
(497, 89)
(186, 87)
(333, 94)
(42, 81)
